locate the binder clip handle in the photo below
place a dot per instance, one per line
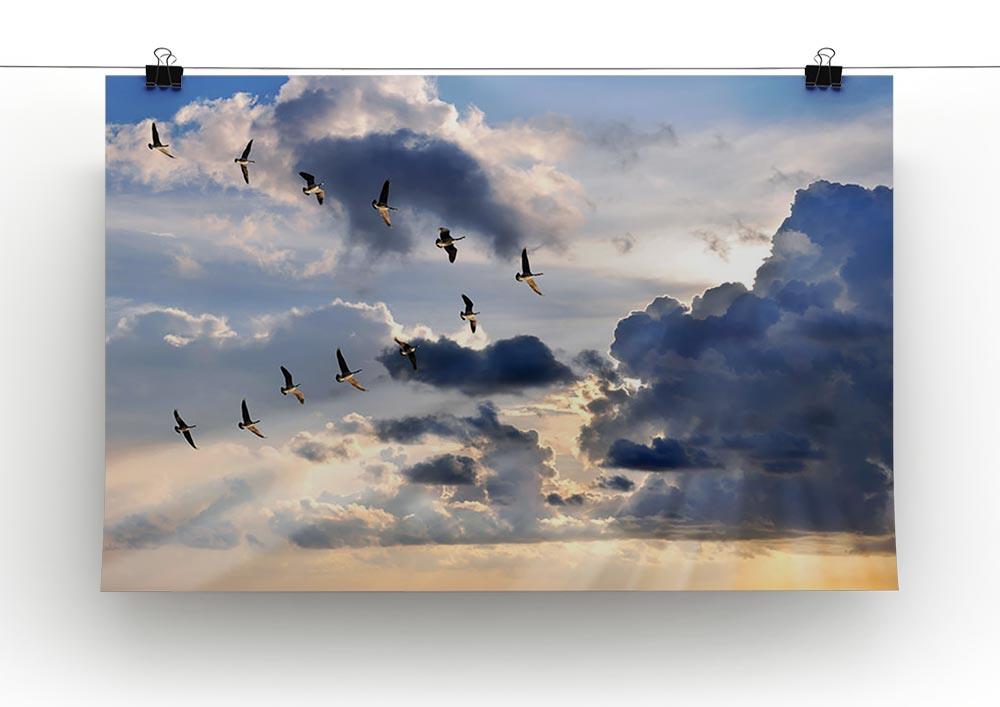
(823, 74)
(165, 73)
(823, 55)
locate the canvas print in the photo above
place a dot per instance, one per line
(524, 332)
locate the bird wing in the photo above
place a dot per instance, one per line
(253, 428)
(246, 151)
(310, 180)
(187, 436)
(163, 149)
(246, 173)
(180, 422)
(156, 136)
(412, 355)
(319, 196)
(402, 344)
(298, 394)
(472, 323)
(532, 285)
(525, 267)
(383, 197)
(246, 413)
(288, 377)
(468, 303)
(452, 252)
(445, 235)
(355, 383)
(384, 213)
(344, 370)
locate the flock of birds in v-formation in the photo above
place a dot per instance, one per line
(444, 241)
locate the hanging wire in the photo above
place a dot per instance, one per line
(110, 67)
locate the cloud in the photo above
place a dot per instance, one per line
(775, 451)
(427, 173)
(623, 243)
(319, 450)
(660, 455)
(190, 521)
(174, 325)
(164, 357)
(557, 499)
(443, 469)
(716, 301)
(760, 380)
(714, 242)
(508, 365)
(790, 179)
(312, 524)
(497, 497)
(626, 143)
(785, 388)
(779, 395)
(722, 244)
(500, 182)
(749, 234)
(617, 482)
(549, 176)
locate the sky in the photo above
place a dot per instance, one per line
(702, 397)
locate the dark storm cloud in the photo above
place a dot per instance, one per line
(660, 455)
(445, 469)
(556, 499)
(412, 429)
(508, 365)
(787, 387)
(716, 300)
(206, 528)
(485, 425)
(427, 174)
(617, 482)
(644, 339)
(595, 362)
(775, 451)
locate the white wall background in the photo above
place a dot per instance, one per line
(933, 642)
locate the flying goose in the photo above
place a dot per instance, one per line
(405, 349)
(526, 275)
(468, 315)
(183, 428)
(243, 160)
(247, 423)
(312, 187)
(382, 204)
(157, 145)
(448, 243)
(291, 387)
(346, 374)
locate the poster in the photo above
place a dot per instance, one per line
(499, 333)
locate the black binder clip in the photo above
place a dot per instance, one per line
(823, 74)
(165, 73)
